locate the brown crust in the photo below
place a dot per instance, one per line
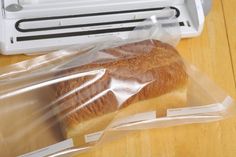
(145, 69)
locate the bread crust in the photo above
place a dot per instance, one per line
(142, 71)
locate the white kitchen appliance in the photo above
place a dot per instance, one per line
(28, 26)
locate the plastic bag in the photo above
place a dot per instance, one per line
(68, 101)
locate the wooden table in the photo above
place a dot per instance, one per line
(214, 52)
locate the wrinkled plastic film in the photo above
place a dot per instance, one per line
(26, 90)
(71, 100)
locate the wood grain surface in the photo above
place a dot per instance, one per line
(214, 53)
(230, 21)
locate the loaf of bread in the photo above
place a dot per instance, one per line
(135, 78)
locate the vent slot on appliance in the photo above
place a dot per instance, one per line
(96, 25)
(57, 24)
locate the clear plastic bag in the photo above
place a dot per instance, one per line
(68, 101)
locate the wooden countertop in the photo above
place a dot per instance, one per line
(214, 52)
